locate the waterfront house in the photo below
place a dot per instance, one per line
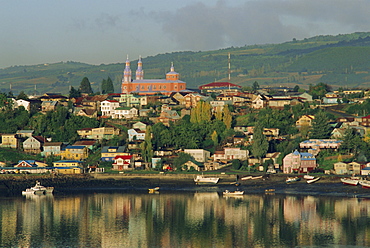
(108, 153)
(230, 153)
(300, 162)
(123, 162)
(74, 153)
(193, 165)
(199, 155)
(341, 168)
(68, 167)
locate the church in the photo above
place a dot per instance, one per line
(142, 86)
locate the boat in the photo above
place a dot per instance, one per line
(257, 177)
(153, 190)
(315, 179)
(38, 189)
(350, 180)
(292, 179)
(246, 178)
(200, 179)
(365, 184)
(308, 177)
(232, 193)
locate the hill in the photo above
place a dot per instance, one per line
(341, 60)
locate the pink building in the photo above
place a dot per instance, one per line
(299, 162)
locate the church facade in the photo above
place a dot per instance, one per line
(142, 86)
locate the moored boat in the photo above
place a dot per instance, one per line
(308, 177)
(292, 179)
(38, 189)
(246, 178)
(200, 179)
(232, 193)
(350, 180)
(364, 184)
(313, 180)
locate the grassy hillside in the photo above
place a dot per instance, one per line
(341, 60)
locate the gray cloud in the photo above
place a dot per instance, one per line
(201, 27)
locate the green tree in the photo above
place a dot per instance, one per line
(227, 117)
(260, 144)
(318, 91)
(352, 142)
(182, 158)
(214, 138)
(107, 86)
(321, 128)
(74, 93)
(22, 95)
(85, 86)
(255, 86)
(146, 145)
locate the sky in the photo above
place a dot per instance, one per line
(104, 32)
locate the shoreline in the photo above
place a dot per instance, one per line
(328, 185)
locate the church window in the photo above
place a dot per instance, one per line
(164, 86)
(154, 87)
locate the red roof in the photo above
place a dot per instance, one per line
(123, 156)
(218, 84)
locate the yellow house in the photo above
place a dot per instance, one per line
(305, 120)
(75, 153)
(98, 133)
(67, 167)
(9, 140)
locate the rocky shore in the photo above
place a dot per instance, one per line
(271, 184)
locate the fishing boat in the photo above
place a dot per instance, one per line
(200, 179)
(350, 180)
(365, 184)
(38, 189)
(308, 177)
(232, 193)
(292, 179)
(315, 179)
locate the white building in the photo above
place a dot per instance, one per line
(199, 155)
(107, 107)
(125, 112)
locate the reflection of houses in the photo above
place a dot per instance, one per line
(299, 162)
(123, 162)
(108, 153)
(199, 155)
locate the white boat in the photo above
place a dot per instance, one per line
(246, 178)
(231, 193)
(38, 189)
(308, 177)
(200, 179)
(292, 179)
(154, 190)
(350, 180)
(364, 184)
(313, 180)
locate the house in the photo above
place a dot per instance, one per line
(192, 99)
(10, 141)
(299, 162)
(139, 125)
(98, 133)
(123, 162)
(167, 116)
(193, 164)
(220, 88)
(108, 153)
(354, 168)
(199, 155)
(74, 153)
(125, 112)
(365, 121)
(90, 144)
(259, 101)
(33, 144)
(49, 106)
(341, 168)
(68, 167)
(22, 103)
(230, 153)
(305, 121)
(25, 133)
(320, 144)
(331, 98)
(31, 166)
(107, 107)
(91, 113)
(52, 149)
(135, 134)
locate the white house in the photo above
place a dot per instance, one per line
(124, 112)
(140, 135)
(20, 102)
(230, 154)
(107, 107)
(199, 155)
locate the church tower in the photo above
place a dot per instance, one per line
(172, 75)
(127, 72)
(139, 71)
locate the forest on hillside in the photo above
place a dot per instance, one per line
(340, 60)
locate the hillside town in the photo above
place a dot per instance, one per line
(160, 125)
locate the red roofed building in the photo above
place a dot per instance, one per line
(365, 121)
(123, 162)
(220, 87)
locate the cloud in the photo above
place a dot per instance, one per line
(198, 26)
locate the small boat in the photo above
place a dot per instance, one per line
(308, 177)
(232, 193)
(313, 180)
(153, 190)
(365, 184)
(38, 189)
(246, 178)
(350, 180)
(257, 177)
(292, 179)
(200, 179)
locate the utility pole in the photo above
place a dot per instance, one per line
(229, 71)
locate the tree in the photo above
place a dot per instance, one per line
(255, 86)
(107, 86)
(352, 142)
(260, 144)
(214, 138)
(85, 86)
(74, 93)
(181, 159)
(22, 96)
(146, 145)
(319, 90)
(235, 164)
(227, 117)
(321, 128)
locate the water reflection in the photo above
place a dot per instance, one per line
(182, 220)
